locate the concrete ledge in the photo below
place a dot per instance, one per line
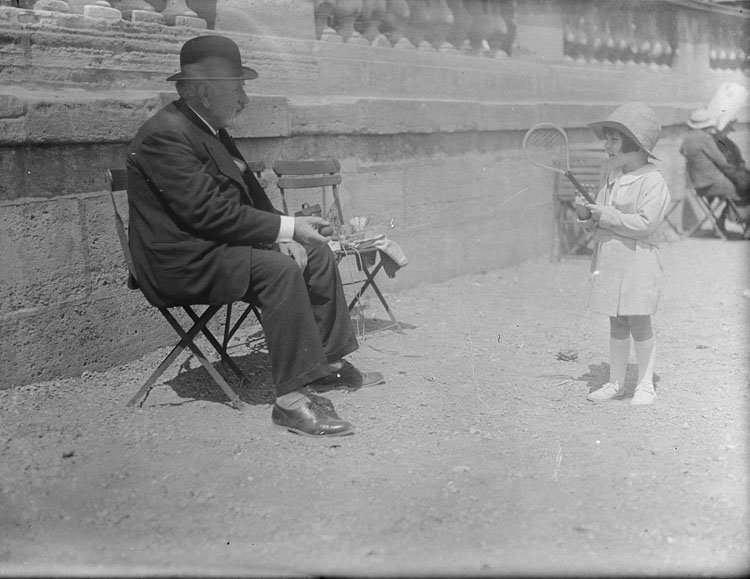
(43, 116)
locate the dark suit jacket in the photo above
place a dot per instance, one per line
(194, 217)
(705, 163)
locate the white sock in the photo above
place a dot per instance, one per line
(645, 354)
(619, 352)
(336, 366)
(292, 400)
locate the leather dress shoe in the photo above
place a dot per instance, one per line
(347, 377)
(308, 422)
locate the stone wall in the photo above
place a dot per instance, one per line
(429, 144)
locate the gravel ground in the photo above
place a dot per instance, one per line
(481, 455)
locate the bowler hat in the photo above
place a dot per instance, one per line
(636, 121)
(212, 57)
(701, 119)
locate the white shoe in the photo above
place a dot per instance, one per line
(643, 395)
(606, 392)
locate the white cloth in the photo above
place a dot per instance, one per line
(390, 252)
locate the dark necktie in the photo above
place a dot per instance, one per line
(229, 143)
(258, 196)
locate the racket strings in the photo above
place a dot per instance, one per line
(546, 146)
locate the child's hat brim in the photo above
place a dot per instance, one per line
(635, 120)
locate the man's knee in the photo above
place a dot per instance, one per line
(320, 258)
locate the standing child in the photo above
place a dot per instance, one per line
(626, 269)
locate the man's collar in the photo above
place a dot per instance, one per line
(209, 125)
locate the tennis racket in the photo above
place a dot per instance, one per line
(546, 146)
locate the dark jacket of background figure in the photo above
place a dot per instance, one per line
(707, 167)
(193, 214)
(738, 172)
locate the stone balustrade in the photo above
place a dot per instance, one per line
(479, 27)
(630, 33)
(616, 33)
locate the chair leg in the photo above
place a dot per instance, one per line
(674, 207)
(370, 281)
(142, 394)
(231, 394)
(708, 210)
(217, 346)
(228, 333)
(738, 218)
(145, 390)
(186, 340)
(227, 326)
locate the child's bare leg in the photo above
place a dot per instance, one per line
(645, 353)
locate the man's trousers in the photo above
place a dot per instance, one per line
(304, 314)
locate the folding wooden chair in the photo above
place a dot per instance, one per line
(713, 209)
(673, 216)
(118, 182)
(735, 215)
(569, 238)
(322, 175)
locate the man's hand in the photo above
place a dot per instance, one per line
(307, 230)
(296, 251)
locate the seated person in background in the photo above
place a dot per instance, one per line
(707, 167)
(738, 172)
(203, 231)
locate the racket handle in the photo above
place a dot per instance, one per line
(580, 187)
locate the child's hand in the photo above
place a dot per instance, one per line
(596, 211)
(582, 210)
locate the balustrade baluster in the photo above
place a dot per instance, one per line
(440, 26)
(569, 39)
(655, 48)
(177, 13)
(346, 12)
(395, 23)
(371, 17)
(581, 41)
(324, 14)
(594, 36)
(497, 30)
(418, 24)
(459, 33)
(478, 30)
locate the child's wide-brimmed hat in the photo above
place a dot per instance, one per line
(635, 120)
(701, 119)
(212, 57)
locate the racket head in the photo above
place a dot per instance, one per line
(546, 145)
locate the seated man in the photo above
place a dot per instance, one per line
(203, 231)
(738, 173)
(707, 167)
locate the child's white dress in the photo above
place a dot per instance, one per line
(626, 268)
